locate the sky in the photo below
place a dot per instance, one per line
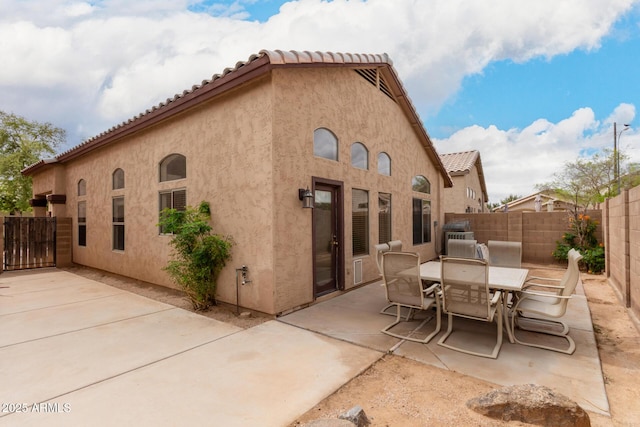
(531, 85)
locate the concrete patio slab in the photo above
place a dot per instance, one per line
(47, 288)
(113, 358)
(578, 376)
(49, 321)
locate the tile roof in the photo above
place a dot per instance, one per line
(459, 163)
(256, 65)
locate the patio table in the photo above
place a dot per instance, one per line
(505, 279)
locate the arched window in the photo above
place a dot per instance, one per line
(359, 156)
(173, 167)
(118, 179)
(421, 184)
(384, 164)
(325, 144)
(82, 187)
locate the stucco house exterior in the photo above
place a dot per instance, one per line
(251, 141)
(469, 191)
(537, 202)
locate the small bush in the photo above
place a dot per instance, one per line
(594, 259)
(199, 254)
(582, 237)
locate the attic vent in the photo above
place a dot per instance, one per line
(374, 77)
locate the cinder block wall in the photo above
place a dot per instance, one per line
(538, 231)
(622, 247)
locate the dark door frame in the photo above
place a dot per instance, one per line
(340, 261)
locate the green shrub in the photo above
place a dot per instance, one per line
(199, 254)
(594, 259)
(582, 237)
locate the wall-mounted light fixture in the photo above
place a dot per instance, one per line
(307, 198)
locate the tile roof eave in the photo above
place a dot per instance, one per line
(411, 113)
(257, 65)
(171, 107)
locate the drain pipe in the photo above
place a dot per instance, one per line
(244, 270)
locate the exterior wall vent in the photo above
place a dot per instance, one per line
(374, 77)
(357, 271)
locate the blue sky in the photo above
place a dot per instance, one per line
(530, 84)
(508, 94)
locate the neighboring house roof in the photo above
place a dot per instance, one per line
(258, 65)
(544, 198)
(461, 164)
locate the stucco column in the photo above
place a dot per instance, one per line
(57, 204)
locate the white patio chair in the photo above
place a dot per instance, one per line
(505, 254)
(538, 310)
(459, 248)
(465, 293)
(483, 251)
(380, 249)
(395, 245)
(401, 274)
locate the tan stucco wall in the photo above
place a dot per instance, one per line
(252, 183)
(354, 110)
(227, 146)
(455, 198)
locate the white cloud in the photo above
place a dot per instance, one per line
(515, 160)
(77, 9)
(115, 58)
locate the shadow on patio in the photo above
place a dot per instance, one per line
(355, 317)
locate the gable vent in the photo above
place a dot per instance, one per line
(373, 76)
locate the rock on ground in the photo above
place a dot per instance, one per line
(531, 404)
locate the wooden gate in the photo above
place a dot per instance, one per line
(29, 243)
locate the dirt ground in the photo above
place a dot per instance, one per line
(400, 392)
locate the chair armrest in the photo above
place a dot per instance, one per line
(392, 281)
(542, 285)
(549, 279)
(496, 297)
(542, 294)
(431, 289)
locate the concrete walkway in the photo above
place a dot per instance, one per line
(77, 352)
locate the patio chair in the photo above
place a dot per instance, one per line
(538, 310)
(380, 249)
(401, 274)
(505, 254)
(395, 245)
(483, 251)
(465, 293)
(458, 248)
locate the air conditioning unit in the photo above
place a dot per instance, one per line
(459, 235)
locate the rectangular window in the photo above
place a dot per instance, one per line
(82, 223)
(118, 223)
(360, 222)
(421, 221)
(384, 217)
(173, 199)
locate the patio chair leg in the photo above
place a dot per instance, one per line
(516, 321)
(496, 349)
(388, 313)
(387, 329)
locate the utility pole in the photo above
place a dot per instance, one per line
(616, 154)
